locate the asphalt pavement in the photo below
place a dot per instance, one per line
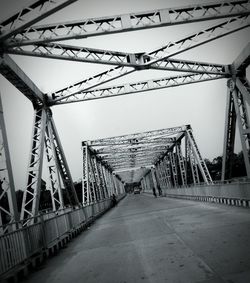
(146, 239)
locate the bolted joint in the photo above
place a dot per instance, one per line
(231, 84)
(49, 113)
(232, 71)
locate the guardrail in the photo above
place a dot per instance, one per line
(18, 246)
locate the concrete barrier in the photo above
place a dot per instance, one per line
(233, 190)
(235, 193)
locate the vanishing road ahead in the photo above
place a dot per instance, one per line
(146, 239)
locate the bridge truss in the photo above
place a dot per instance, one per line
(21, 35)
(138, 157)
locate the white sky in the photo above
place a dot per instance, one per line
(201, 105)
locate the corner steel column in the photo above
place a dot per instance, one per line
(105, 181)
(94, 194)
(164, 174)
(111, 185)
(55, 182)
(229, 135)
(8, 212)
(181, 164)
(174, 169)
(168, 171)
(197, 155)
(85, 175)
(243, 125)
(96, 174)
(31, 196)
(193, 165)
(63, 166)
(102, 180)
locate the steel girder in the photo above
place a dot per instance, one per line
(31, 197)
(238, 97)
(141, 86)
(181, 163)
(237, 112)
(200, 162)
(54, 174)
(229, 137)
(15, 75)
(108, 57)
(173, 48)
(8, 204)
(63, 166)
(193, 163)
(134, 138)
(30, 15)
(129, 143)
(154, 59)
(130, 22)
(45, 134)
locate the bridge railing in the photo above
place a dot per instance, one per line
(18, 246)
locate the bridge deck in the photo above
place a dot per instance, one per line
(157, 240)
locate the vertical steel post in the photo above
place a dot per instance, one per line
(181, 164)
(229, 134)
(31, 196)
(174, 169)
(63, 165)
(199, 160)
(193, 165)
(85, 175)
(55, 182)
(243, 126)
(8, 203)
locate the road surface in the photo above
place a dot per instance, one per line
(146, 239)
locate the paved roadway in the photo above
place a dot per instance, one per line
(158, 240)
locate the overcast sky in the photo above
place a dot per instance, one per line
(201, 105)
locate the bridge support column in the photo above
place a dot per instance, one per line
(31, 196)
(55, 182)
(181, 164)
(196, 160)
(8, 204)
(238, 100)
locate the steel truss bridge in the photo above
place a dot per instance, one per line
(153, 158)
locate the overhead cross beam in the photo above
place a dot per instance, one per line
(173, 48)
(29, 15)
(108, 57)
(141, 86)
(130, 22)
(152, 59)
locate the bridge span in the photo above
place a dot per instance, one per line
(162, 234)
(147, 239)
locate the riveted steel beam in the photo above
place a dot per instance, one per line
(138, 87)
(131, 22)
(15, 75)
(29, 15)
